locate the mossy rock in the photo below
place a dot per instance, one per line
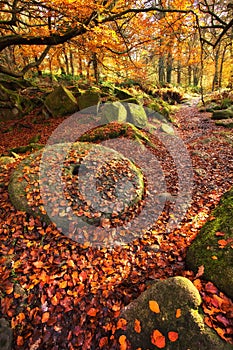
(12, 104)
(61, 102)
(115, 130)
(27, 148)
(227, 123)
(176, 304)
(122, 94)
(136, 115)
(99, 170)
(113, 111)
(88, 99)
(222, 114)
(6, 335)
(160, 107)
(212, 248)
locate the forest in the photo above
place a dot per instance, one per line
(116, 174)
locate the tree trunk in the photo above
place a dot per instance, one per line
(161, 70)
(215, 84)
(178, 73)
(169, 68)
(95, 67)
(71, 63)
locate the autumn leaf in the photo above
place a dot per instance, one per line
(178, 313)
(38, 264)
(103, 342)
(45, 317)
(19, 340)
(154, 306)
(123, 342)
(92, 311)
(173, 336)
(121, 323)
(158, 339)
(137, 326)
(201, 270)
(63, 284)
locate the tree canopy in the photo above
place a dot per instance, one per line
(167, 34)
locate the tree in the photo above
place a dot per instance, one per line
(30, 29)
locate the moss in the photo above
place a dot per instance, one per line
(173, 294)
(206, 249)
(115, 130)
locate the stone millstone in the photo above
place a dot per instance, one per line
(168, 306)
(212, 248)
(100, 184)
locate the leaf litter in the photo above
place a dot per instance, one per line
(58, 294)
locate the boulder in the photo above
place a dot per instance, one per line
(222, 114)
(166, 316)
(212, 248)
(6, 335)
(88, 99)
(227, 123)
(122, 94)
(136, 115)
(113, 111)
(167, 129)
(61, 102)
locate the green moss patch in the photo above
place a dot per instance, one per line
(213, 247)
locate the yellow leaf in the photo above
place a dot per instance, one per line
(154, 306)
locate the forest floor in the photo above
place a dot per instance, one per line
(60, 295)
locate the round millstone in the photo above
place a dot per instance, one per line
(91, 183)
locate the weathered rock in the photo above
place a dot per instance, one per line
(168, 129)
(215, 252)
(122, 94)
(61, 102)
(227, 123)
(222, 114)
(178, 303)
(88, 99)
(116, 175)
(114, 130)
(113, 111)
(27, 148)
(136, 115)
(6, 335)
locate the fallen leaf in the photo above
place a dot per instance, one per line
(154, 306)
(178, 313)
(173, 336)
(45, 317)
(158, 339)
(137, 326)
(92, 311)
(123, 342)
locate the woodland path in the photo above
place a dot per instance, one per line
(58, 295)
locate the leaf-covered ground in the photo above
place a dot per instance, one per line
(58, 294)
